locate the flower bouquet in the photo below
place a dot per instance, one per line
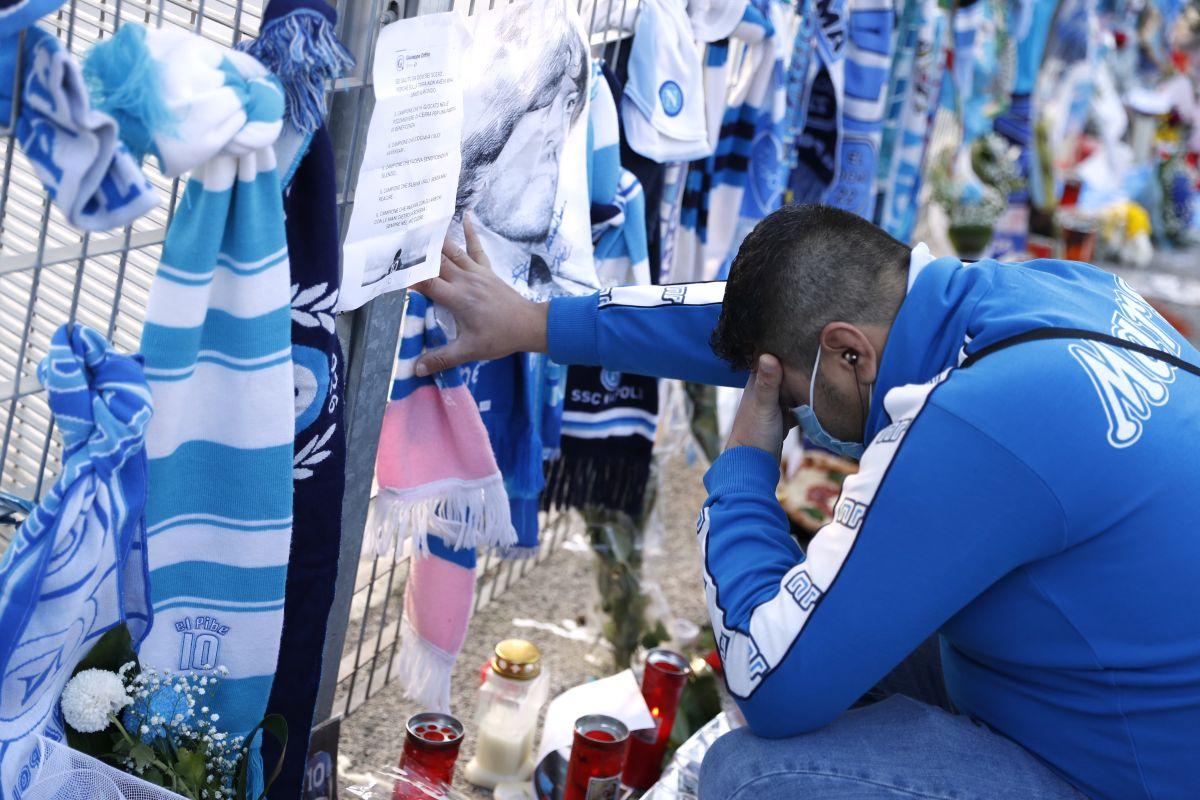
(159, 726)
(972, 185)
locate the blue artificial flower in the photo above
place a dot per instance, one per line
(164, 703)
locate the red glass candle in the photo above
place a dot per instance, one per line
(1080, 244)
(597, 756)
(430, 750)
(662, 685)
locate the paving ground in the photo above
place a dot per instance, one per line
(547, 607)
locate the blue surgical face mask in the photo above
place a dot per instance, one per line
(813, 428)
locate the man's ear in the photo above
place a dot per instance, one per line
(851, 350)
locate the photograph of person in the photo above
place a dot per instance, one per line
(525, 98)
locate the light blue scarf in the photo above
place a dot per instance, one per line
(912, 106)
(217, 344)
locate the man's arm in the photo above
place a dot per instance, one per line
(661, 331)
(648, 330)
(938, 512)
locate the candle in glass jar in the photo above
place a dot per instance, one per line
(431, 747)
(662, 685)
(597, 757)
(510, 700)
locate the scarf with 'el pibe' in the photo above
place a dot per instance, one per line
(217, 345)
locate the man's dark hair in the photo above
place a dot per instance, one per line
(801, 268)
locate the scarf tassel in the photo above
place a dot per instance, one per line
(124, 82)
(303, 51)
(423, 669)
(466, 515)
(618, 484)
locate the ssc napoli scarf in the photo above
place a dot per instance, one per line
(298, 44)
(609, 419)
(77, 567)
(609, 422)
(74, 148)
(442, 495)
(217, 345)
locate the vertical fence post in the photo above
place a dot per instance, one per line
(374, 333)
(369, 341)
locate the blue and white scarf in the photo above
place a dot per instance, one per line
(799, 80)
(77, 567)
(618, 203)
(217, 344)
(845, 90)
(1030, 28)
(73, 148)
(16, 15)
(913, 104)
(520, 400)
(743, 181)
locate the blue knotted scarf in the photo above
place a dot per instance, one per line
(77, 567)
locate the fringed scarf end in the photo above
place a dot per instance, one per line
(423, 670)
(303, 52)
(617, 484)
(125, 83)
(465, 514)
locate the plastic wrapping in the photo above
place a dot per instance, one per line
(681, 779)
(59, 773)
(385, 783)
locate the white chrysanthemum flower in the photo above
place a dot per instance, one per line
(90, 697)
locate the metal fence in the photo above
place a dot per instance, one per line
(50, 273)
(360, 655)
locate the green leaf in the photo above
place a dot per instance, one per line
(153, 775)
(189, 765)
(142, 755)
(111, 651)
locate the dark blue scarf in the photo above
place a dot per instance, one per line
(297, 43)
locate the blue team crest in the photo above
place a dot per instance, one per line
(831, 29)
(610, 379)
(311, 387)
(671, 97)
